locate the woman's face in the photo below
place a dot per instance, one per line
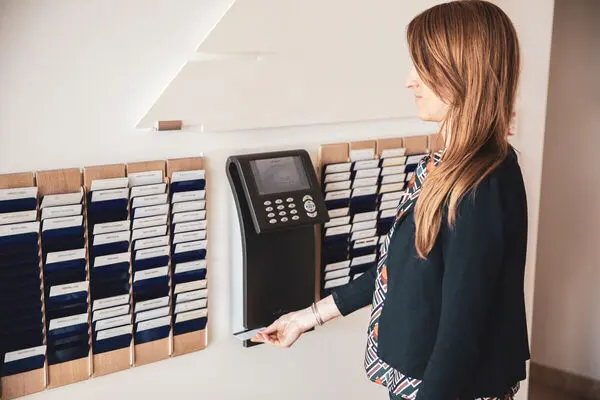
(431, 107)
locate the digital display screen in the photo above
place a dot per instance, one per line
(278, 175)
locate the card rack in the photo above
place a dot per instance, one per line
(66, 276)
(189, 245)
(151, 260)
(363, 183)
(22, 329)
(107, 215)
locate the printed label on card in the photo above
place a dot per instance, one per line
(341, 176)
(395, 178)
(363, 234)
(392, 196)
(148, 222)
(193, 295)
(190, 226)
(146, 201)
(152, 253)
(369, 258)
(392, 187)
(337, 265)
(187, 316)
(338, 212)
(110, 302)
(25, 353)
(362, 243)
(188, 196)
(68, 321)
(362, 154)
(148, 190)
(152, 242)
(68, 255)
(366, 164)
(110, 312)
(361, 226)
(336, 282)
(18, 217)
(364, 191)
(336, 168)
(151, 211)
(145, 178)
(396, 170)
(365, 216)
(391, 213)
(144, 233)
(113, 183)
(18, 193)
(156, 313)
(190, 305)
(366, 173)
(189, 216)
(151, 273)
(389, 204)
(151, 304)
(19, 229)
(61, 223)
(397, 152)
(114, 332)
(111, 259)
(392, 161)
(65, 199)
(188, 206)
(342, 185)
(187, 286)
(190, 266)
(337, 222)
(338, 230)
(108, 195)
(61, 211)
(110, 227)
(155, 323)
(115, 237)
(337, 274)
(342, 194)
(190, 246)
(69, 288)
(191, 175)
(189, 236)
(372, 181)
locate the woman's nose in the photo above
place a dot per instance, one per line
(411, 79)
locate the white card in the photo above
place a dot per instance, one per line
(151, 314)
(341, 176)
(336, 282)
(149, 222)
(190, 246)
(366, 164)
(391, 161)
(191, 175)
(190, 226)
(59, 323)
(152, 253)
(61, 223)
(190, 305)
(337, 274)
(189, 216)
(391, 213)
(362, 154)
(338, 230)
(111, 259)
(106, 184)
(395, 170)
(341, 185)
(342, 194)
(187, 316)
(187, 286)
(391, 196)
(366, 173)
(68, 255)
(337, 265)
(392, 187)
(18, 193)
(144, 233)
(114, 332)
(155, 323)
(64, 199)
(414, 159)
(152, 242)
(190, 266)
(148, 190)
(25, 353)
(188, 206)
(397, 152)
(369, 258)
(110, 312)
(145, 178)
(60, 290)
(337, 222)
(336, 168)
(365, 216)
(110, 302)
(19, 229)
(188, 196)
(389, 204)
(61, 211)
(338, 212)
(151, 211)
(364, 191)
(18, 217)
(110, 227)
(151, 273)
(123, 236)
(108, 195)
(363, 234)
(146, 201)
(361, 226)
(371, 181)
(372, 241)
(193, 295)
(393, 179)
(189, 236)
(146, 305)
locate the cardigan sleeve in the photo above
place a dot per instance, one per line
(356, 294)
(472, 255)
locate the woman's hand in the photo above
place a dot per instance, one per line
(287, 329)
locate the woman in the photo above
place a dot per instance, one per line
(448, 311)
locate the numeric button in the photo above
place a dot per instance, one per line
(284, 219)
(292, 205)
(267, 203)
(280, 207)
(282, 213)
(289, 200)
(271, 215)
(273, 221)
(269, 209)
(294, 212)
(295, 218)
(278, 201)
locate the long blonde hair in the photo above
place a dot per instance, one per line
(467, 52)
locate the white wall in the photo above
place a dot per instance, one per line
(75, 78)
(566, 317)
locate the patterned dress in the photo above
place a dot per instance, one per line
(399, 385)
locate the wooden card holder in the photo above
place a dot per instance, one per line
(416, 144)
(59, 182)
(122, 359)
(157, 350)
(390, 143)
(197, 340)
(30, 382)
(436, 142)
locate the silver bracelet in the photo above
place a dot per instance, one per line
(317, 314)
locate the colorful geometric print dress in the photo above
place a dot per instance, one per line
(399, 385)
